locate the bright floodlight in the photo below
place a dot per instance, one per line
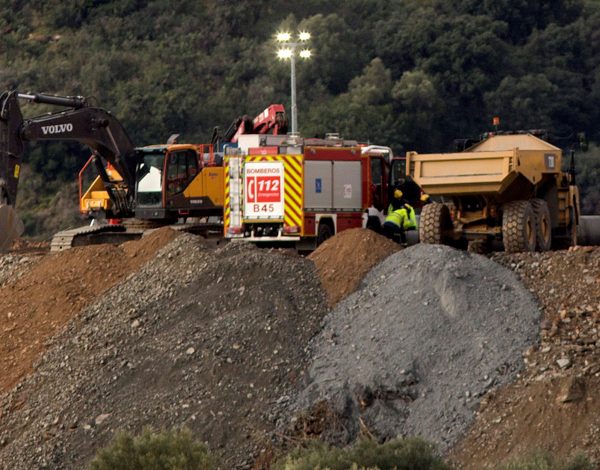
(304, 36)
(305, 54)
(284, 37)
(284, 53)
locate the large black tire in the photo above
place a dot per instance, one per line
(325, 232)
(518, 227)
(543, 225)
(588, 232)
(435, 224)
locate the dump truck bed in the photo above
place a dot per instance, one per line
(487, 168)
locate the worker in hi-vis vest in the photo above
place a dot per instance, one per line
(400, 218)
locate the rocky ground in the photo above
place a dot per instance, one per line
(239, 345)
(554, 406)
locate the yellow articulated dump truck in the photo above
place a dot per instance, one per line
(508, 188)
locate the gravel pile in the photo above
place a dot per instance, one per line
(429, 331)
(43, 297)
(209, 339)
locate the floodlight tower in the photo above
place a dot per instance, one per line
(288, 50)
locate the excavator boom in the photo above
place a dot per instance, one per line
(94, 127)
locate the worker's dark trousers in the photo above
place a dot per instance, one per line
(393, 232)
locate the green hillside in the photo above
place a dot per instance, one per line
(406, 73)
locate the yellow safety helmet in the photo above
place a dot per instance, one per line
(398, 194)
(424, 197)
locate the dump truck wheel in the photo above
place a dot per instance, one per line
(434, 224)
(588, 231)
(573, 229)
(543, 231)
(518, 227)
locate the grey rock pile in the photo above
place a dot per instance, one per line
(410, 353)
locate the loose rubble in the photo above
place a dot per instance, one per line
(37, 304)
(238, 345)
(211, 340)
(13, 266)
(555, 405)
(429, 331)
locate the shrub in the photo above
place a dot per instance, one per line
(398, 454)
(545, 462)
(166, 450)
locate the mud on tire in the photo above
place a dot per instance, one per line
(435, 223)
(518, 227)
(543, 224)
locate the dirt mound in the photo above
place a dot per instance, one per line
(554, 406)
(40, 302)
(429, 331)
(343, 260)
(211, 339)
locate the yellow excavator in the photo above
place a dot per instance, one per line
(133, 188)
(154, 185)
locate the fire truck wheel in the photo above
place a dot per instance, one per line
(325, 232)
(543, 225)
(518, 227)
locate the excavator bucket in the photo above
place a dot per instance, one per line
(11, 227)
(11, 149)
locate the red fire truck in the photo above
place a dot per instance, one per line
(303, 191)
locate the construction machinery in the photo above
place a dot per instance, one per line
(132, 188)
(157, 184)
(507, 187)
(272, 120)
(300, 191)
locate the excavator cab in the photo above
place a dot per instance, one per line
(150, 179)
(178, 180)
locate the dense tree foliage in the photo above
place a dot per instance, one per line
(413, 74)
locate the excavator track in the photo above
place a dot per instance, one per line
(117, 234)
(93, 235)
